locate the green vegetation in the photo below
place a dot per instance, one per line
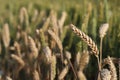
(37, 21)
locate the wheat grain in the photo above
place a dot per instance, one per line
(86, 38)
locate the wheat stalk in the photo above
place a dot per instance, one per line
(87, 39)
(102, 31)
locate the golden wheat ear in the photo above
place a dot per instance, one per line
(84, 60)
(6, 35)
(112, 69)
(86, 39)
(105, 74)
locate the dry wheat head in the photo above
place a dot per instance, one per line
(86, 38)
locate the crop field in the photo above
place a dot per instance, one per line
(59, 40)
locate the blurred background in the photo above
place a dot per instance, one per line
(87, 15)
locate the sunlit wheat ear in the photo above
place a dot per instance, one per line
(17, 48)
(53, 67)
(48, 53)
(105, 74)
(61, 22)
(86, 38)
(33, 53)
(35, 75)
(68, 55)
(53, 18)
(35, 15)
(8, 78)
(23, 14)
(81, 75)
(112, 69)
(18, 60)
(84, 59)
(6, 35)
(56, 38)
(46, 24)
(103, 29)
(63, 72)
(77, 60)
(62, 19)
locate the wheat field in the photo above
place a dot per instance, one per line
(60, 40)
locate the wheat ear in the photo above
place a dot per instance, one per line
(84, 59)
(112, 69)
(63, 72)
(53, 67)
(35, 75)
(81, 75)
(6, 35)
(33, 49)
(86, 38)
(105, 74)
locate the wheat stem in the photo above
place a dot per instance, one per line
(101, 40)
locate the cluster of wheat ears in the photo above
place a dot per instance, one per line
(42, 56)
